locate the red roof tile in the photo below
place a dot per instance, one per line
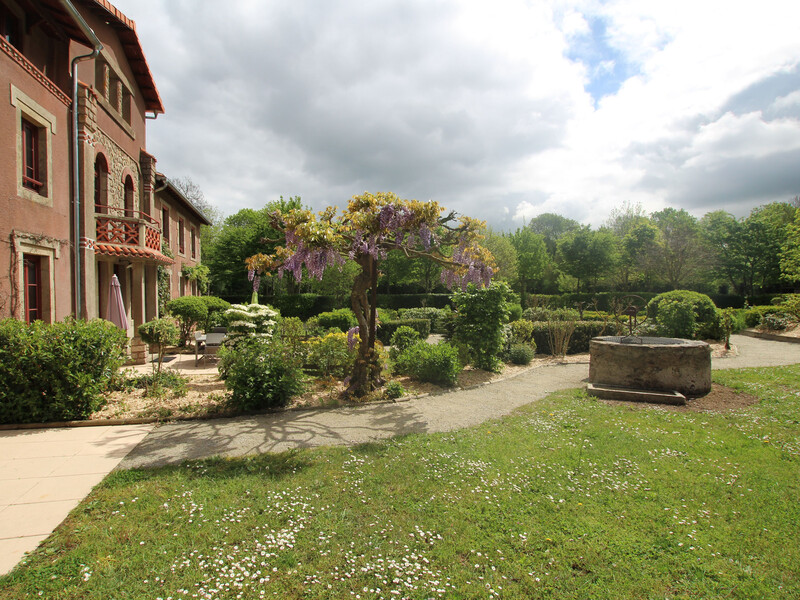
(132, 252)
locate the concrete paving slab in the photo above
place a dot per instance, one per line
(45, 473)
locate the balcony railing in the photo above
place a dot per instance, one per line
(127, 228)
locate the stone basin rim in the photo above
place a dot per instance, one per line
(616, 340)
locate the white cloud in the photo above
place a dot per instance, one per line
(470, 103)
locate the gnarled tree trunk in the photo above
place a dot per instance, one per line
(366, 376)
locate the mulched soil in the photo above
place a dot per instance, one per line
(719, 399)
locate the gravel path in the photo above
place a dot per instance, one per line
(174, 442)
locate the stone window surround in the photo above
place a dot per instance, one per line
(34, 113)
(50, 251)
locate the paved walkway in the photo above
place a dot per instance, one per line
(174, 442)
(45, 473)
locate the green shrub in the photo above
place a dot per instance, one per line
(521, 332)
(189, 310)
(754, 315)
(216, 311)
(154, 384)
(258, 374)
(386, 330)
(514, 312)
(774, 322)
(386, 314)
(403, 338)
(292, 333)
(521, 354)
(393, 390)
(481, 315)
(676, 319)
(707, 317)
(330, 355)
(341, 319)
(160, 333)
(791, 304)
(56, 372)
(428, 362)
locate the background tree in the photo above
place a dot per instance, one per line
(586, 255)
(505, 255)
(371, 225)
(239, 237)
(679, 251)
(532, 258)
(636, 251)
(552, 227)
(195, 195)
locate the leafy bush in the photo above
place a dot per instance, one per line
(154, 384)
(292, 333)
(386, 330)
(774, 322)
(330, 354)
(522, 332)
(189, 310)
(341, 319)
(216, 311)
(521, 354)
(676, 319)
(403, 338)
(386, 314)
(160, 333)
(393, 390)
(428, 362)
(707, 317)
(514, 312)
(56, 372)
(754, 315)
(481, 315)
(791, 304)
(258, 374)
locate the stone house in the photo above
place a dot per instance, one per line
(78, 189)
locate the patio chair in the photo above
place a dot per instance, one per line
(209, 344)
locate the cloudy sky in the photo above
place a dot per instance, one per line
(500, 110)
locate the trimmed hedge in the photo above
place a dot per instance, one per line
(56, 372)
(398, 301)
(302, 306)
(436, 316)
(342, 319)
(386, 330)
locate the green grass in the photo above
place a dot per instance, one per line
(567, 498)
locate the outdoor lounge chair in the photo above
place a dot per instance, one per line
(208, 344)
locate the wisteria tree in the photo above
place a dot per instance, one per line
(371, 225)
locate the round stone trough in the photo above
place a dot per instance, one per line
(651, 363)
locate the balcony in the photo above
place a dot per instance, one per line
(128, 233)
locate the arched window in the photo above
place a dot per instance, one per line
(100, 184)
(129, 208)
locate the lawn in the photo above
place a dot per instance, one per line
(568, 498)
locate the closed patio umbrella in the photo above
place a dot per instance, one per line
(116, 308)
